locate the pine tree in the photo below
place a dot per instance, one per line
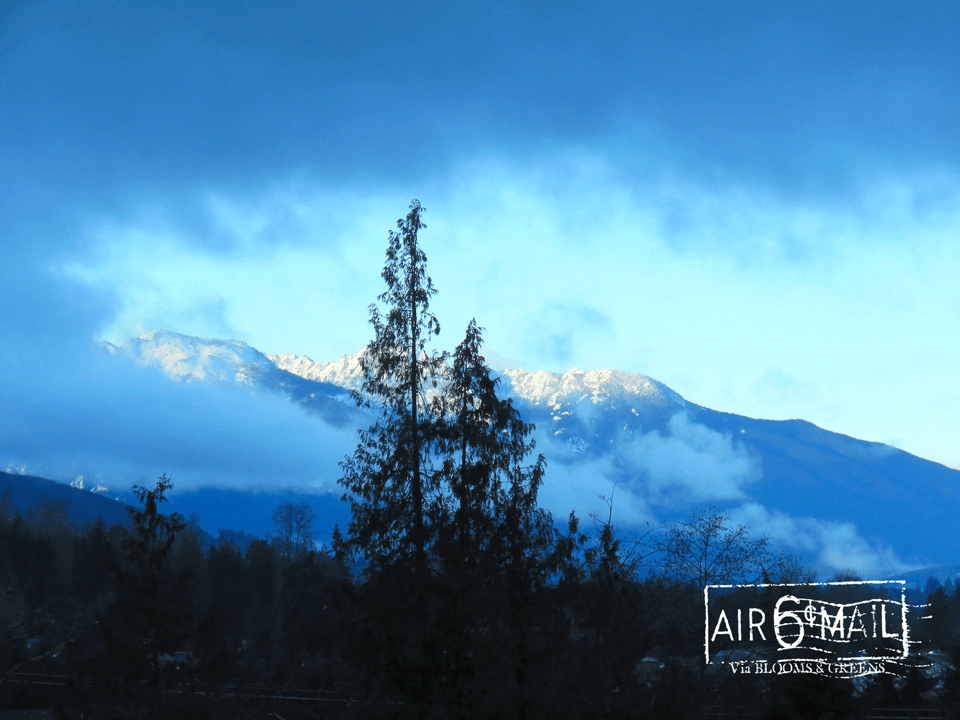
(444, 510)
(492, 537)
(485, 443)
(391, 483)
(150, 618)
(388, 478)
(151, 612)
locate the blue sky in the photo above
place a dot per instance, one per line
(755, 203)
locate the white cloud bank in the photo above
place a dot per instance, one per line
(116, 423)
(833, 546)
(688, 464)
(654, 479)
(740, 296)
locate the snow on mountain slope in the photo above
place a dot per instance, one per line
(344, 372)
(838, 501)
(182, 357)
(188, 359)
(601, 387)
(539, 388)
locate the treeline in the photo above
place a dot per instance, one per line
(142, 621)
(120, 616)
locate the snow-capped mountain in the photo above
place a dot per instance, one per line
(606, 400)
(539, 389)
(839, 501)
(344, 372)
(188, 359)
(613, 388)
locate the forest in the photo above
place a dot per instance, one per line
(451, 594)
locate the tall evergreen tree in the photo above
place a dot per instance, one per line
(388, 478)
(492, 538)
(484, 443)
(444, 510)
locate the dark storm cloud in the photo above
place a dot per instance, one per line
(139, 94)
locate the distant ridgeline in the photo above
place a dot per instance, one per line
(813, 486)
(27, 495)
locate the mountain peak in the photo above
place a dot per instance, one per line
(604, 427)
(344, 372)
(545, 388)
(183, 357)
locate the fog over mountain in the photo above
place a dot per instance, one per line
(239, 431)
(287, 421)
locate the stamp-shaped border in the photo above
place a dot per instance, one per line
(868, 583)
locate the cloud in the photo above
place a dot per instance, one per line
(691, 463)
(586, 273)
(655, 475)
(833, 546)
(110, 420)
(580, 484)
(286, 258)
(561, 328)
(655, 478)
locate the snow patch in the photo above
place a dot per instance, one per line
(601, 387)
(189, 359)
(345, 372)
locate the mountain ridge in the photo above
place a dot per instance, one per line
(843, 501)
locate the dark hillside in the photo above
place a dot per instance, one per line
(26, 493)
(892, 496)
